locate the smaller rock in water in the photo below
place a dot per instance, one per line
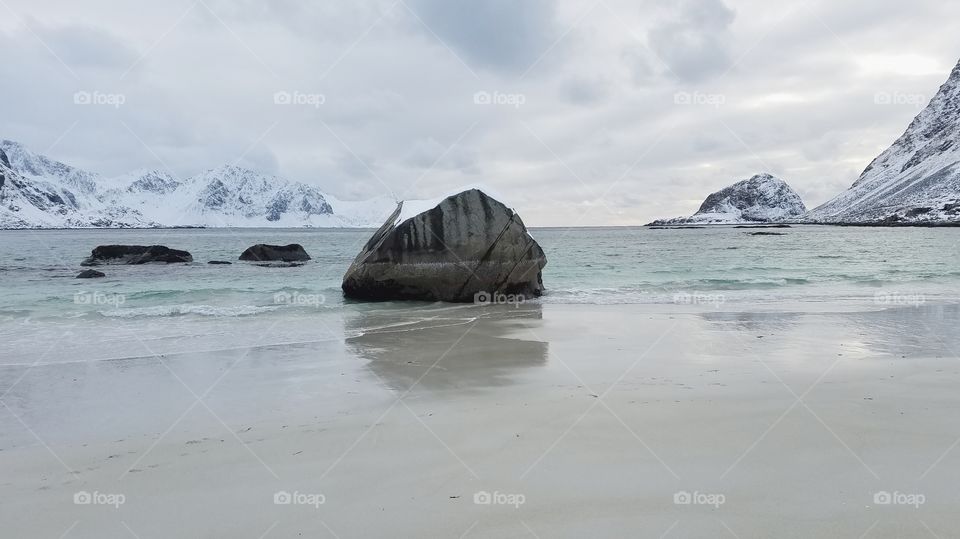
(90, 274)
(280, 265)
(219, 262)
(275, 253)
(136, 254)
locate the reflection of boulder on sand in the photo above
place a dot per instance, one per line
(448, 250)
(402, 346)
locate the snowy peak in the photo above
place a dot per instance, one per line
(762, 198)
(916, 179)
(239, 191)
(39, 192)
(153, 181)
(30, 164)
(32, 202)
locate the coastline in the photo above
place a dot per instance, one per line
(745, 224)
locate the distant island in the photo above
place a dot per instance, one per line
(763, 198)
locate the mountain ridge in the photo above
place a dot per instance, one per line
(916, 179)
(39, 192)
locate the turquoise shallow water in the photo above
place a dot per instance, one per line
(708, 267)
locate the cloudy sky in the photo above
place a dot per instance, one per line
(580, 112)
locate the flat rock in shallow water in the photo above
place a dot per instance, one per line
(219, 262)
(275, 253)
(466, 246)
(90, 274)
(280, 264)
(135, 254)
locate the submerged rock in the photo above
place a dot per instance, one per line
(275, 253)
(219, 262)
(90, 274)
(461, 248)
(135, 254)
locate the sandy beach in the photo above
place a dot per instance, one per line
(529, 421)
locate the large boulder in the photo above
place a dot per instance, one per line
(135, 254)
(275, 253)
(465, 246)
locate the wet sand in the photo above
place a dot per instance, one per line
(578, 420)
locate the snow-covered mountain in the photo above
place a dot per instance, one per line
(763, 198)
(917, 179)
(38, 192)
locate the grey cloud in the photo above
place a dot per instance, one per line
(83, 46)
(319, 21)
(694, 42)
(583, 91)
(500, 34)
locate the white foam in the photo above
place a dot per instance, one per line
(179, 310)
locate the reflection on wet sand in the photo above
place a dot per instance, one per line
(924, 330)
(904, 331)
(463, 347)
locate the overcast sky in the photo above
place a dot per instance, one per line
(580, 112)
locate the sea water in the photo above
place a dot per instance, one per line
(169, 307)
